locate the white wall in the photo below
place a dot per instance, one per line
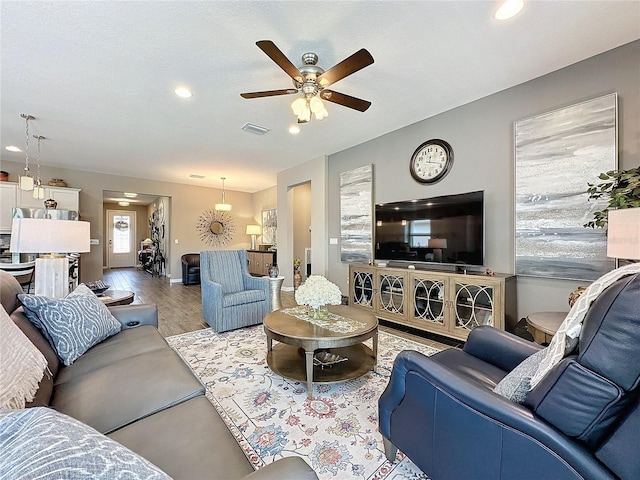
(314, 171)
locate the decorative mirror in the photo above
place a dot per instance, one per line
(216, 228)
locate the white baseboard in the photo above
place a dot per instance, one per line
(175, 280)
(287, 289)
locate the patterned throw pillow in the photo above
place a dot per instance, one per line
(42, 443)
(517, 383)
(71, 325)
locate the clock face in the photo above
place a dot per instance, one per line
(431, 161)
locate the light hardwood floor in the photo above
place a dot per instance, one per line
(180, 306)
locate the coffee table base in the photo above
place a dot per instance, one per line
(286, 359)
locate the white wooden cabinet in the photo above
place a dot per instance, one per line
(8, 192)
(11, 196)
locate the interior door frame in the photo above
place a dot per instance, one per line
(134, 216)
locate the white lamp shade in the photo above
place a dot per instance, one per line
(437, 243)
(40, 235)
(253, 230)
(623, 234)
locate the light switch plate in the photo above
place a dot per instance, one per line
(333, 241)
(94, 241)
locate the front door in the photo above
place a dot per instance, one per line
(121, 228)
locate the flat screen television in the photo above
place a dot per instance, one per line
(447, 230)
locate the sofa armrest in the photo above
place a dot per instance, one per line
(288, 468)
(255, 283)
(499, 348)
(132, 316)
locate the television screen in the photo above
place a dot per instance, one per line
(443, 230)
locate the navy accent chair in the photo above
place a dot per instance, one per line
(582, 421)
(190, 268)
(231, 297)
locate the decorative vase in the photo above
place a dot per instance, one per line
(297, 279)
(50, 203)
(273, 270)
(320, 313)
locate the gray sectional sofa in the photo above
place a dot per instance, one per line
(133, 388)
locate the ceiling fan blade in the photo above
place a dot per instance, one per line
(345, 100)
(269, 93)
(362, 58)
(274, 53)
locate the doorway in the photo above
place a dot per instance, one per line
(121, 238)
(302, 227)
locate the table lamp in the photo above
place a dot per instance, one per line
(52, 239)
(437, 244)
(253, 230)
(623, 234)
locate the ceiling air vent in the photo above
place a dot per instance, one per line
(257, 129)
(199, 177)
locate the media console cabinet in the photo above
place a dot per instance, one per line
(445, 303)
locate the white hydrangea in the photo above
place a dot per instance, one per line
(317, 291)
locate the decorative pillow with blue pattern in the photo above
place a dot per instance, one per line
(42, 443)
(72, 325)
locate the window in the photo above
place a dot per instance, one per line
(419, 233)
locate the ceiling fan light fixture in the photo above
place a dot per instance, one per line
(315, 104)
(305, 115)
(299, 105)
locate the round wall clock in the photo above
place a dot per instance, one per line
(431, 161)
(216, 228)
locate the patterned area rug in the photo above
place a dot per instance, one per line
(336, 431)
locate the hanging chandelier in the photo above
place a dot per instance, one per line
(223, 207)
(25, 182)
(38, 189)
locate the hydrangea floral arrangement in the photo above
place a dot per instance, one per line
(317, 292)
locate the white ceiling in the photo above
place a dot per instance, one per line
(99, 76)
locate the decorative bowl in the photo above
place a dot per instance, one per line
(326, 359)
(98, 290)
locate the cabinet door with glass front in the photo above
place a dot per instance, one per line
(475, 304)
(429, 302)
(392, 294)
(362, 281)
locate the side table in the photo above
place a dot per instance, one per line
(544, 325)
(275, 286)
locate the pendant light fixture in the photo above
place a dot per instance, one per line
(26, 181)
(223, 207)
(38, 189)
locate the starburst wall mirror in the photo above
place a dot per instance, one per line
(216, 228)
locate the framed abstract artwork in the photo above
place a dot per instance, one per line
(269, 226)
(356, 215)
(557, 154)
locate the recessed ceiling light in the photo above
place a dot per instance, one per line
(130, 195)
(294, 130)
(123, 204)
(12, 148)
(509, 9)
(199, 177)
(183, 92)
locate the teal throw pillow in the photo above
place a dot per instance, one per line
(42, 443)
(72, 325)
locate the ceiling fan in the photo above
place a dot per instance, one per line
(312, 81)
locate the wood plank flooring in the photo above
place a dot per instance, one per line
(180, 306)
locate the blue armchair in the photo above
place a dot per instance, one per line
(231, 298)
(580, 422)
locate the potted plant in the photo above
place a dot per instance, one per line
(621, 187)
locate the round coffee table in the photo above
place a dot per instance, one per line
(112, 298)
(299, 339)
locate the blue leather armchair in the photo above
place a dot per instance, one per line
(580, 422)
(231, 298)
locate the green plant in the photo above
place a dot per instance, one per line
(621, 187)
